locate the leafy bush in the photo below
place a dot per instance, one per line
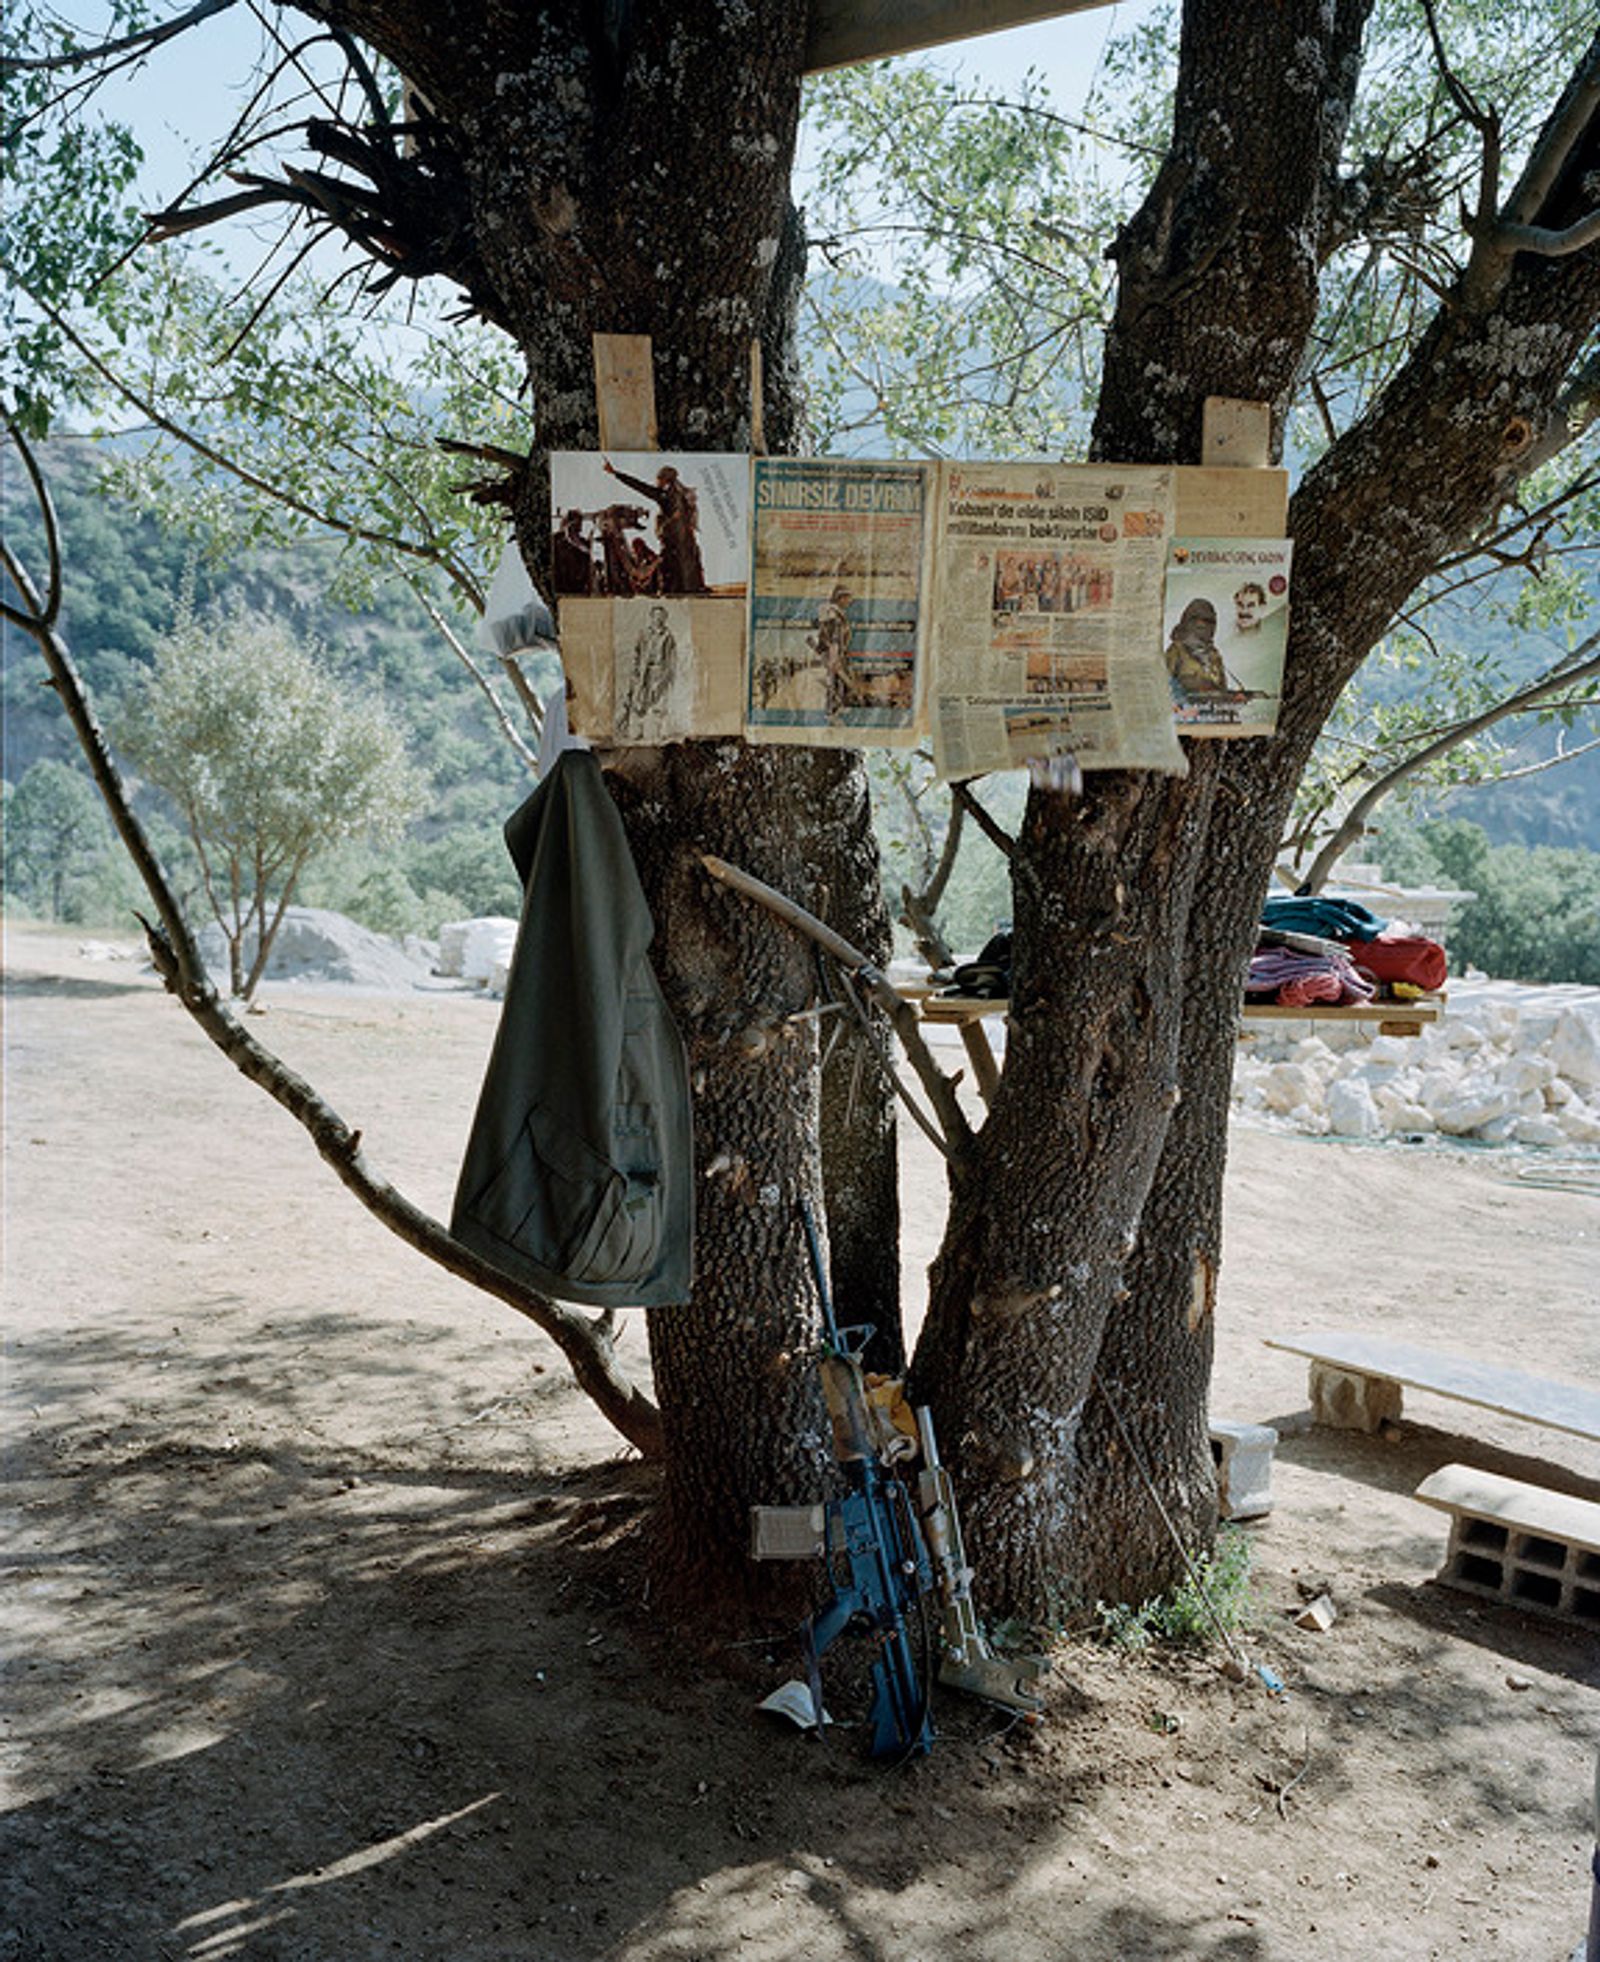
(1217, 1596)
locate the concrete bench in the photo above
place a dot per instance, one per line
(1356, 1381)
(1519, 1543)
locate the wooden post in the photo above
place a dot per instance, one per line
(625, 392)
(758, 401)
(1236, 434)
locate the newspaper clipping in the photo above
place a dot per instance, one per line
(646, 526)
(1227, 627)
(837, 615)
(647, 671)
(1049, 618)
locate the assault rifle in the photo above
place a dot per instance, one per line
(886, 1554)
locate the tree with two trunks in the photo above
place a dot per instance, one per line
(572, 170)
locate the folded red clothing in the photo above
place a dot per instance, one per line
(1401, 957)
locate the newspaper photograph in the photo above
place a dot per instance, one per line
(634, 526)
(1227, 627)
(837, 613)
(1048, 613)
(647, 671)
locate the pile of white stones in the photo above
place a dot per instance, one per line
(1505, 1064)
(478, 951)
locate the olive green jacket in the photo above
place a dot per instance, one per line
(579, 1172)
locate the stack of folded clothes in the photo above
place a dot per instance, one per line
(1314, 948)
(988, 978)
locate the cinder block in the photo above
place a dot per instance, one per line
(1536, 1572)
(1242, 1454)
(1347, 1401)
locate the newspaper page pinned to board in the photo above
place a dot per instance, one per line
(838, 609)
(1049, 618)
(1227, 629)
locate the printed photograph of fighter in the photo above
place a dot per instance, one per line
(838, 658)
(1049, 582)
(1227, 606)
(641, 527)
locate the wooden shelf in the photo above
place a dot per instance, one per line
(1401, 1018)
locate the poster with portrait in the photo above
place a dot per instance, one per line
(837, 607)
(647, 671)
(646, 526)
(1225, 633)
(1048, 606)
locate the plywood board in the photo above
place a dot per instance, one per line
(843, 32)
(1217, 502)
(1235, 434)
(1412, 1014)
(625, 392)
(1511, 1392)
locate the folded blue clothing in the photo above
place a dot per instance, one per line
(1334, 919)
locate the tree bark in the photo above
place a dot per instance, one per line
(1422, 472)
(627, 170)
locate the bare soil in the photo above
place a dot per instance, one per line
(328, 1638)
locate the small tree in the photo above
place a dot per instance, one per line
(269, 760)
(55, 831)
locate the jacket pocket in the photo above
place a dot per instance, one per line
(623, 1240)
(561, 1205)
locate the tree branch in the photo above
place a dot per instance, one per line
(429, 554)
(144, 39)
(586, 1345)
(1571, 668)
(453, 641)
(957, 1138)
(996, 834)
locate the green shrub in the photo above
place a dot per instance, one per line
(1217, 1597)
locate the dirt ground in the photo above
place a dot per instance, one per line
(321, 1647)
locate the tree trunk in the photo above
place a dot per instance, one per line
(627, 171)
(1044, 1318)
(1422, 472)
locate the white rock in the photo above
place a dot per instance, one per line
(1315, 1054)
(452, 945)
(1526, 1071)
(1538, 1131)
(1575, 1046)
(489, 941)
(1580, 1123)
(1402, 1117)
(1475, 1104)
(1499, 1130)
(1289, 1085)
(1351, 1111)
(1440, 1086)
(315, 945)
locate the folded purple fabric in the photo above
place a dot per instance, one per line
(1297, 980)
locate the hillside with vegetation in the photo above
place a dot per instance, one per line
(128, 578)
